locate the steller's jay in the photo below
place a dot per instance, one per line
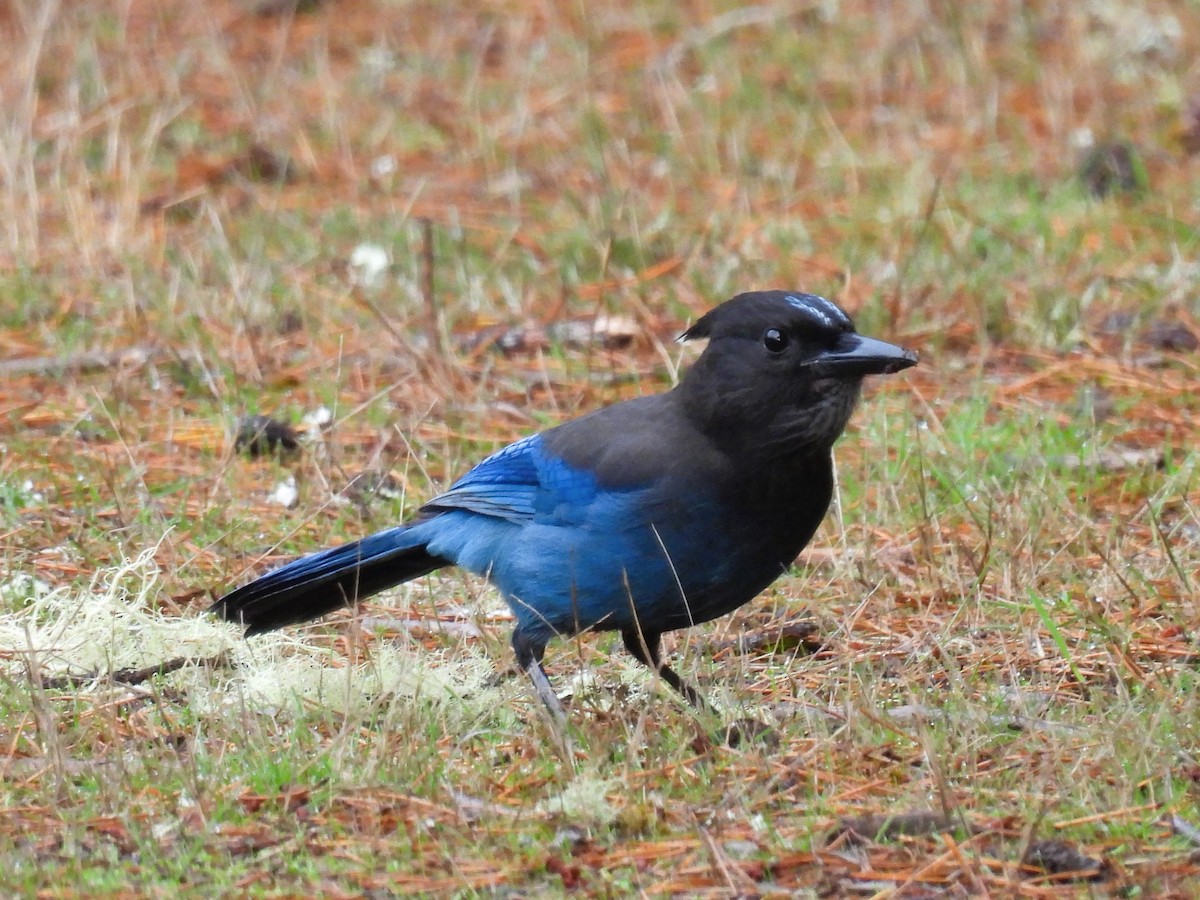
(643, 517)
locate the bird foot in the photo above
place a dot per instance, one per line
(556, 716)
(741, 732)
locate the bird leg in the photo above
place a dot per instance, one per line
(647, 649)
(529, 658)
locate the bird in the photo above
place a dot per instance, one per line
(648, 516)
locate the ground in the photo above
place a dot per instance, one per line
(408, 233)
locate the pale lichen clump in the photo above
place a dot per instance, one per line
(114, 624)
(584, 801)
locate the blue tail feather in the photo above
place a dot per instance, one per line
(322, 582)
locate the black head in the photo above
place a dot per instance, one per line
(782, 370)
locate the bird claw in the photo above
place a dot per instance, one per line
(561, 738)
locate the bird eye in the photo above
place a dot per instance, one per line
(774, 340)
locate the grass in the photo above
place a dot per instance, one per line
(1003, 598)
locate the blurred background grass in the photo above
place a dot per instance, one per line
(191, 197)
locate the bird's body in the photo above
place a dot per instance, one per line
(643, 517)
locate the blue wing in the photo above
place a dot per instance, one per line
(521, 483)
(592, 525)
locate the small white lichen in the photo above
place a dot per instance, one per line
(368, 263)
(285, 493)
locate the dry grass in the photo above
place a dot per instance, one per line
(1000, 687)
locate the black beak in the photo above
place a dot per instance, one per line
(856, 355)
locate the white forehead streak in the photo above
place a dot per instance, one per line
(820, 309)
(840, 316)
